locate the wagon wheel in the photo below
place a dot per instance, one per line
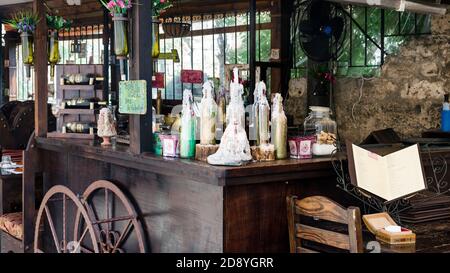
(114, 219)
(61, 201)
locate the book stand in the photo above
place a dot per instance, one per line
(436, 184)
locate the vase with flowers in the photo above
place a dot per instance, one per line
(55, 24)
(158, 7)
(118, 10)
(25, 23)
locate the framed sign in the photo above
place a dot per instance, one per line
(191, 76)
(133, 97)
(158, 81)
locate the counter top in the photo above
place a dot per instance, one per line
(253, 172)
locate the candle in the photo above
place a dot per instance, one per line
(208, 116)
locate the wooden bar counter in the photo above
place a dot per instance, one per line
(190, 206)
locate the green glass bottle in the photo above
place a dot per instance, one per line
(53, 51)
(188, 123)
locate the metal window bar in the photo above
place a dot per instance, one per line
(364, 28)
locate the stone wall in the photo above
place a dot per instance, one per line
(407, 96)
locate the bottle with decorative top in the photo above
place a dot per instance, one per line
(188, 120)
(279, 127)
(263, 113)
(236, 108)
(208, 116)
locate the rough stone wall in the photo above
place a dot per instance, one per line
(407, 96)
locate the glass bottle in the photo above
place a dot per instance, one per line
(208, 116)
(221, 115)
(279, 127)
(319, 124)
(263, 116)
(27, 51)
(53, 51)
(158, 102)
(188, 120)
(120, 39)
(155, 37)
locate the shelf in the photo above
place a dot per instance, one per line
(70, 135)
(84, 87)
(77, 111)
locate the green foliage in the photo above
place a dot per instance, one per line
(57, 22)
(23, 21)
(361, 57)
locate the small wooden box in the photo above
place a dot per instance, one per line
(376, 224)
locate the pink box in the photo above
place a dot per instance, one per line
(301, 147)
(170, 145)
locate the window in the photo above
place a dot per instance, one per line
(214, 40)
(387, 29)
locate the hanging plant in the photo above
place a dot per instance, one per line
(25, 23)
(159, 6)
(117, 6)
(55, 24)
(118, 10)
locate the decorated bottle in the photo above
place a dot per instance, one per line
(279, 127)
(262, 115)
(187, 136)
(236, 110)
(208, 116)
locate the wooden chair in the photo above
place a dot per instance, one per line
(322, 208)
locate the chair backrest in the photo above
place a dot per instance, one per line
(322, 208)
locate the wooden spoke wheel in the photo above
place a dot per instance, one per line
(59, 202)
(113, 217)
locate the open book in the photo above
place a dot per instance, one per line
(390, 177)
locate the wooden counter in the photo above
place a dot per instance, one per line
(191, 206)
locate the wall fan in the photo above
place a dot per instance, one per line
(322, 30)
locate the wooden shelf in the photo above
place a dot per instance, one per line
(71, 111)
(70, 135)
(84, 87)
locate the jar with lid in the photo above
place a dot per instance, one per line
(319, 124)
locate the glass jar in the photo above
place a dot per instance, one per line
(319, 124)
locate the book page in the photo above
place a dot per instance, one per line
(405, 172)
(371, 174)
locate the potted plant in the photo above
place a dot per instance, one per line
(55, 24)
(25, 23)
(118, 10)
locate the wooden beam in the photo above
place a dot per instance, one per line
(2, 71)
(106, 35)
(141, 66)
(40, 71)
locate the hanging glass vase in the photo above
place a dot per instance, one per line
(155, 38)
(120, 39)
(27, 51)
(53, 51)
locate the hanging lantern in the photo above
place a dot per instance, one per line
(120, 39)
(53, 51)
(27, 51)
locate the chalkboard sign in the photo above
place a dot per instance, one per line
(133, 97)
